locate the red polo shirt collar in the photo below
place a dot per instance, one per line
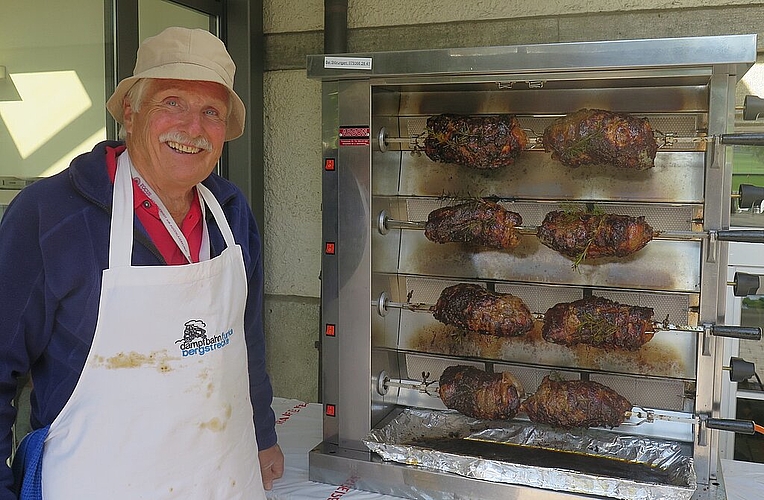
(148, 214)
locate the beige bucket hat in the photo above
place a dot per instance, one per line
(184, 54)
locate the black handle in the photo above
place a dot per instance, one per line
(748, 284)
(742, 235)
(737, 332)
(750, 195)
(726, 424)
(747, 139)
(753, 107)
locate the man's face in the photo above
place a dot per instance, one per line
(177, 136)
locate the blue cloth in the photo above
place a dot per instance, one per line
(27, 465)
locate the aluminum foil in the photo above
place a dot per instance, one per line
(400, 441)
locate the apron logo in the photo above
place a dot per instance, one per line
(196, 342)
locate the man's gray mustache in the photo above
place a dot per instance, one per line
(198, 142)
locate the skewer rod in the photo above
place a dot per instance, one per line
(750, 236)
(401, 140)
(644, 416)
(664, 140)
(739, 332)
(428, 308)
(530, 230)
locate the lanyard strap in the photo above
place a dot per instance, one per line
(164, 214)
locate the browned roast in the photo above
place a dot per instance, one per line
(484, 142)
(478, 222)
(479, 394)
(584, 235)
(575, 403)
(598, 322)
(596, 136)
(473, 308)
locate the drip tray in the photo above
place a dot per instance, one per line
(587, 461)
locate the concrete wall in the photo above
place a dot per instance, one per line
(292, 116)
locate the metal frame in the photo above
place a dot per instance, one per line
(349, 359)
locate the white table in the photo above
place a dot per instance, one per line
(743, 480)
(299, 428)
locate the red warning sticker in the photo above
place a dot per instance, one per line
(354, 136)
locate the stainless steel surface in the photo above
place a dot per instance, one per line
(684, 86)
(691, 55)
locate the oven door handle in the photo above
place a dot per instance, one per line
(741, 235)
(728, 424)
(736, 332)
(742, 139)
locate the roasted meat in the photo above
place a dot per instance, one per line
(479, 394)
(575, 403)
(479, 222)
(584, 235)
(484, 142)
(599, 322)
(473, 308)
(596, 136)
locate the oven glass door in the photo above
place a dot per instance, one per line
(746, 398)
(750, 393)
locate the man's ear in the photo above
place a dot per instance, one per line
(127, 115)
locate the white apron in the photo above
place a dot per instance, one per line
(162, 408)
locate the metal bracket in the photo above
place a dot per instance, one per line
(702, 430)
(712, 247)
(706, 340)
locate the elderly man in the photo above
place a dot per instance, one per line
(131, 290)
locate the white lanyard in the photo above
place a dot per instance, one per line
(164, 215)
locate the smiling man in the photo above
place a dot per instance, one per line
(131, 286)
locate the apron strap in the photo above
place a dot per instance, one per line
(122, 214)
(121, 232)
(217, 211)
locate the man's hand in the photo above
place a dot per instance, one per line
(271, 465)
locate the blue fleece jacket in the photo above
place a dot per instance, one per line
(53, 248)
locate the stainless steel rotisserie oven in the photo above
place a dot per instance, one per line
(587, 182)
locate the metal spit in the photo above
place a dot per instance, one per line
(375, 107)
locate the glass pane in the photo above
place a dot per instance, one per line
(750, 448)
(752, 314)
(748, 161)
(51, 89)
(156, 15)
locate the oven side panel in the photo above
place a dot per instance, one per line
(346, 277)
